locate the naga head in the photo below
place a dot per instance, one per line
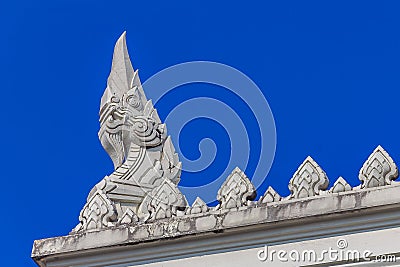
(127, 118)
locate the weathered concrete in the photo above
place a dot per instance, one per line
(359, 205)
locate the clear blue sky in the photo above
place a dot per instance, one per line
(329, 70)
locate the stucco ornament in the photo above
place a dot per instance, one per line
(378, 170)
(270, 196)
(198, 206)
(340, 185)
(308, 180)
(128, 217)
(162, 202)
(99, 211)
(132, 134)
(236, 191)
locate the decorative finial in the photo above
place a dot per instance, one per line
(236, 191)
(378, 170)
(308, 180)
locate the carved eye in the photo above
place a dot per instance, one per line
(114, 99)
(133, 101)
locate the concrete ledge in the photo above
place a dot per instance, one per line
(352, 211)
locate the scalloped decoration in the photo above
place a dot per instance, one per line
(308, 180)
(236, 191)
(98, 212)
(270, 196)
(341, 185)
(163, 201)
(198, 206)
(378, 170)
(128, 217)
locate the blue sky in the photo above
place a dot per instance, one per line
(329, 70)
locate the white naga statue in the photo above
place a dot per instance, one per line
(147, 169)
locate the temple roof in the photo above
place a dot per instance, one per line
(140, 202)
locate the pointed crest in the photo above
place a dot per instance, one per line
(308, 180)
(198, 206)
(122, 77)
(341, 185)
(378, 170)
(236, 190)
(270, 196)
